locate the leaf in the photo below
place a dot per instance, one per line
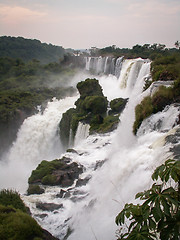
(139, 195)
(161, 224)
(152, 224)
(156, 215)
(158, 172)
(166, 207)
(172, 200)
(120, 218)
(131, 225)
(174, 175)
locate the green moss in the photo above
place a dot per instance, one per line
(48, 180)
(15, 224)
(164, 96)
(118, 104)
(45, 168)
(35, 189)
(142, 110)
(109, 123)
(95, 104)
(89, 87)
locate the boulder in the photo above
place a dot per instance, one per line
(57, 172)
(48, 206)
(89, 87)
(118, 104)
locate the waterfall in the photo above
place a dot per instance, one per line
(37, 139)
(118, 66)
(117, 165)
(104, 65)
(81, 133)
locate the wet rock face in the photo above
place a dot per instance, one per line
(48, 206)
(65, 177)
(175, 140)
(58, 172)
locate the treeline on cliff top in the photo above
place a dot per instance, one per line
(28, 49)
(151, 51)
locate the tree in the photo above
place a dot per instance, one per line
(177, 44)
(158, 217)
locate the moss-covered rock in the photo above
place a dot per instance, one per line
(89, 87)
(149, 105)
(65, 126)
(107, 124)
(91, 108)
(117, 105)
(57, 172)
(35, 189)
(95, 104)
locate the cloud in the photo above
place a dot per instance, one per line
(16, 14)
(152, 8)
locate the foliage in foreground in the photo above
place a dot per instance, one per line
(158, 217)
(15, 222)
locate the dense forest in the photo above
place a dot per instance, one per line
(31, 73)
(28, 49)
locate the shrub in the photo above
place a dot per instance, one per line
(100, 125)
(95, 104)
(163, 97)
(118, 104)
(15, 224)
(89, 87)
(159, 215)
(142, 110)
(12, 198)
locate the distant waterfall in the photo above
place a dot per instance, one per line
(104, 65)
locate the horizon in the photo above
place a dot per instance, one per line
(79, 49)
(84, 24)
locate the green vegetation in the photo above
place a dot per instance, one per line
(44, 170)
(163, 68)
(91, 108)
(15, 223)
(158, 217)
(34, 189)
(28, 49)
(149, 105)
(118, 104)
(108, 124)
(89, 87)
(12, 199)
(95, 104)
(151, 51)
(24, 86)
(57, 172)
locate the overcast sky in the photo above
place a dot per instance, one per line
(92, 23)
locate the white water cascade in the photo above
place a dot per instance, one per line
(81, 133)
(116, 165)
(37, 139)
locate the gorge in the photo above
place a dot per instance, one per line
(115, 165)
